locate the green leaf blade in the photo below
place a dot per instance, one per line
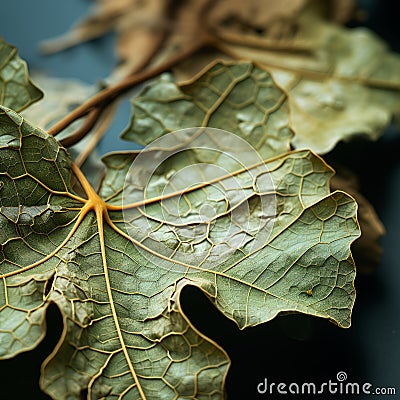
(237, 97)
(16, 89)
(118, 286)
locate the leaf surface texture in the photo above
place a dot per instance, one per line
(116, 269)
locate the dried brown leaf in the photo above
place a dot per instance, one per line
(150, 32)
(275, 19)
(140, 25)
(102, 19)
(186, 27)
(342, 11)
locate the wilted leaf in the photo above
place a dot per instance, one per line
(342, 11)
(347, 84)
(16, 89)
(151, 32)
(141, 28)
(268, 21)
(118, 284)
(185, 28)
(103, 18)
(340, 82)
(275, 22)
(141, 33)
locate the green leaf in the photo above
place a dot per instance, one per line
(16, 89)
(237, 97)
(116, 262)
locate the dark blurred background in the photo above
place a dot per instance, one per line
(294, 348)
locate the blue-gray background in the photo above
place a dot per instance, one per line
(293, 348)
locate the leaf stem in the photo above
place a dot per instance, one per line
(88, 125)
(99, 132)
(104, 97)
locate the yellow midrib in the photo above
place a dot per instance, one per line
(99, 206)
